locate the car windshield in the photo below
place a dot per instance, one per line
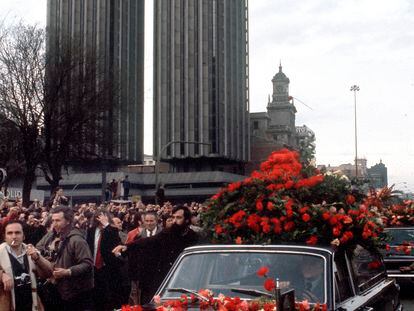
(225, 272)
(400, 236)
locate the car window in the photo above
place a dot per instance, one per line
(367, 267)
(223, 271)
(400, 236)
(343, 286)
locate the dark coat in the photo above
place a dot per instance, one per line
(110, 239)
(107, 294)
(159, 253)
(140, 262)
(73, 253)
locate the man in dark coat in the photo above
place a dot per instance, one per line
(161, 250)
(140, 265)
(102, 238)
(73, 265)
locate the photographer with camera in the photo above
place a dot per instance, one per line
(72, 260)
(20, 264)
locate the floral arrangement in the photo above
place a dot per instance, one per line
(399, 215)
(285, 201)
(222, 303)
(406, 247)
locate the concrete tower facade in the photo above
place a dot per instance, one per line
(201, 86)
(114, 32)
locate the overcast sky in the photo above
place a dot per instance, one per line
(325, 47)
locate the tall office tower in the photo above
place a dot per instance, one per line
(113, 31)
(201, 86)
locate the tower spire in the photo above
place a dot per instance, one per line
(280, 65)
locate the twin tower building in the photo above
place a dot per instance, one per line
(200, 76)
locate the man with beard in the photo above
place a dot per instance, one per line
(162, 250)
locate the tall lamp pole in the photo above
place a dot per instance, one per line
(157, 161)
(355, 88)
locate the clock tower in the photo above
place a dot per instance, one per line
(281, 112)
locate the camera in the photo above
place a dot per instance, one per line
(23, 279)
(49, 254)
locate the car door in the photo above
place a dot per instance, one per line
(368, 287)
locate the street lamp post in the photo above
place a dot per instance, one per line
(157, 161)
(355, 88)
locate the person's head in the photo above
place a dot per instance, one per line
(195, 219)
(13, 234)
(59, 191)
(22, 217)
(117, 223)
(62, 218)
(13, 212)
(167, 221)
(98, 213)
(150, 220)
(312, 267)
(181, 218)
(167, 207)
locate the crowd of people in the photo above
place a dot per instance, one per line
(89, 256)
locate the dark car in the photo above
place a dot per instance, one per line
(400, 254)
(354, 279)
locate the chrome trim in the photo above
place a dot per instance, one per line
(351, 273)
(262, 246)
(395, 275)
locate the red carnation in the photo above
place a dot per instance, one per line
(219, 229)
(306, 217)
(350, 199)
(259, 205)
(269, 285)
(336, 231)
(270, 206)
(312, 240)
(234, 186)
(262, 271)
(373, 265)
(326, 216)
(289, 226)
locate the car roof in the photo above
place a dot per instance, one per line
(272, 247)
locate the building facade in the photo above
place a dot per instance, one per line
(281, 112)
(375, 176)
(378, 175)
(276, 128)
(201, 86)
(113, 31)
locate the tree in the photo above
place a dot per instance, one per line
(11, 156)
(59, 104)
(22, 66)
(78, 98)
(306, 145)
